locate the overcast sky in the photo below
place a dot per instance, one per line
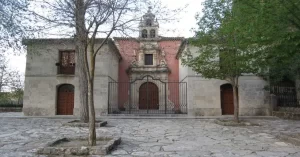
(182, 28)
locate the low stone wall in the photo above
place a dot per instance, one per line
(288, 113)
(289, 109)
(10, 109)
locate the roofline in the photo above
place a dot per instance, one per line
(114, 46)
(154, 39)
(53, 40)
(46, 40)
(125, 38)
(69, 40)
(181, 48)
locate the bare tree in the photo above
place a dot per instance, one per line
(115, 16)
(90, 19)
(17, 87)
(69, 15)
(8, 77)
(81, 46)
(16, 22)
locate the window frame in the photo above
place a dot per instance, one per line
(152, 33)
(146, 59)
(144, 33)
(69, 69)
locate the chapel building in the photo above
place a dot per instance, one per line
(142, 75)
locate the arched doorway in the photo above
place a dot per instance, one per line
(227, 99)
(148, 96)
(65, 99)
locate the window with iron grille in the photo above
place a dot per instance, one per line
(148, 59)
(66, 62)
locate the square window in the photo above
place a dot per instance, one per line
(148, 59)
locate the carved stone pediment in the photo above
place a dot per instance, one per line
(149, 70)
(149, 46)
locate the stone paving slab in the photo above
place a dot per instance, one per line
(157, 137)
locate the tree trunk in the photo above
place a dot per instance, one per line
(80, 64)
(92, 130)
(83, 87)
(236, 101)
(1, 79)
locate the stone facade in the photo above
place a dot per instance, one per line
(123, 60)
(204, 98)
(42, 79)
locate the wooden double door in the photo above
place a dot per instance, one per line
(227, 99)
(65, 100)
(148, 96)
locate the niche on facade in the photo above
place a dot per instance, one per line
(149, 22)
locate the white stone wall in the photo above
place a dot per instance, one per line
(183, 71)
(42, 81)
(40, 94)
(107, 63)
(204, 97)
(254, 100)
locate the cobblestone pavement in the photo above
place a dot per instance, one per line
(157, 137)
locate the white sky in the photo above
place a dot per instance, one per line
(182, 28)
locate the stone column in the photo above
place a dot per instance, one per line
(273, 103)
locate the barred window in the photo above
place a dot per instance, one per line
(67, 62)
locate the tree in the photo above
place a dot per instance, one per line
(70, 15)
(81, 47)
(274, 28)
(90, 19)
(79, 16)
(17, 88)
(15, 23)
(11, 84)
(115, 15)
(225, 52)
(8, 77)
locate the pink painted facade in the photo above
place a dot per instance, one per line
(148, 56)
(171, 48)
(129, 47)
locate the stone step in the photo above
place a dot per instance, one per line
(150, 115)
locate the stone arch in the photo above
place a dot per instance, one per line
(227, 105)
(148, 96)
(144, 33)
(65, 99)
(152, 33)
